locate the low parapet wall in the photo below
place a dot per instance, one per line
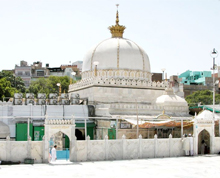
(117, 82)
(100, 150)
(20, 150)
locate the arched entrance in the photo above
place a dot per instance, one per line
(203, 129)
(61, 140)
(62, 133)
(204, 135)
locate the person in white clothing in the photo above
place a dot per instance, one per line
(54, 153)
(203, 145)
(186, 145)
(191, 151)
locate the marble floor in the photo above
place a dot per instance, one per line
(198, 166)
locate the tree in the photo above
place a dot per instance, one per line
(49, 85)
(204, 97)
(6, 90)
(16, 82)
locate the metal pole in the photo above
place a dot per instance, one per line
(116, 129)
(181, 128)
(213, 77)
(137, 120)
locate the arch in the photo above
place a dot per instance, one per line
(59, 139)
(62, 141)
(53, 126)
(204, 135)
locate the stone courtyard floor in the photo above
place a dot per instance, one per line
(198, 166)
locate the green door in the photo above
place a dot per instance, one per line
(90, 132)
(38, 133)
(67, 142)
(111, 133)
(21, 131)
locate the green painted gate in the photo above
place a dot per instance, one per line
(111, 134)
(38, 133)
(21, 131)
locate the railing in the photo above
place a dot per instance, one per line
(63, 154)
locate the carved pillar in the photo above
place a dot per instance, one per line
(46, 142)
(170, 146)
(140, 147)
(73, 143)
(29, 147)
(155, 145)
(106, 147)
(123, 147)
(88, 148)
(195, 135)
(8, 149)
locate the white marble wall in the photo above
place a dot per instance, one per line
(19, 150)
(99, 150)
(216, 145)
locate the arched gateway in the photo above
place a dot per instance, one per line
(53, 126)
(203, 129)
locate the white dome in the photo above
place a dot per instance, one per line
(117, 54)
(170, 99)
(206, 115)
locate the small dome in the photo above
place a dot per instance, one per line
(207, 115)
(4, 130)
(170, 99)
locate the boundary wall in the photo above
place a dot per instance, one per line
(100, 150)
(96, 150)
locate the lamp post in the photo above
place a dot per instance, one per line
(14, 80)
(59, 88)
(214, 55)
(96, 63)
(73, 74)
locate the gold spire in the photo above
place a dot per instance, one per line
(117, 30)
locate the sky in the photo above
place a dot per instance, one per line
(177, 35)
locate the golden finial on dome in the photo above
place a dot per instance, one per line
(117, 30)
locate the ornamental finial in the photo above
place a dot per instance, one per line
(117, 30)
(117, 18)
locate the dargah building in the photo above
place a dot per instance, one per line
(117, 81)
(122, 113)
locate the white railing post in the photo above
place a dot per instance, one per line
(170, 145)
(155, 145)
(123, 146)
(29, 147)
(106, 147)
(88, 148)
(140, 147)
(8, 149)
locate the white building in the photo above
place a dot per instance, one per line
(116, 79)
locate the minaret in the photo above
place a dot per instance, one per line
(117, 30)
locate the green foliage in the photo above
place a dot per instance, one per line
(49, 85)
(204, 97)
(6, 90)
(16, 82)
